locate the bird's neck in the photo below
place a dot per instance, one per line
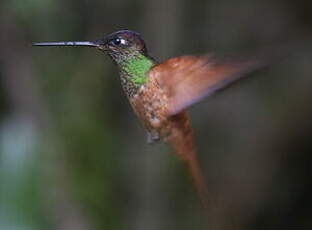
(133, 72)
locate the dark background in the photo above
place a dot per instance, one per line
(73, 155)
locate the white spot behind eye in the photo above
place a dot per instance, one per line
(123, 41)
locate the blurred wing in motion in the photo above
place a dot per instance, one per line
(187, 79)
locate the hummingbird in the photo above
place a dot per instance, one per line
(161, 92)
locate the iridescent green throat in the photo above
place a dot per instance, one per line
(136, 67)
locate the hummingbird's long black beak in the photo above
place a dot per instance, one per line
(71, 43)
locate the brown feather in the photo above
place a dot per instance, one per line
(187, 79)
(150, 104)
(181, 141)
(174, 85)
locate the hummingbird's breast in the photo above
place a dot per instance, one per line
(150, 104)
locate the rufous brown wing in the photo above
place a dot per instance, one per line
(188, 79)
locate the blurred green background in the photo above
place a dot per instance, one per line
(74, 156)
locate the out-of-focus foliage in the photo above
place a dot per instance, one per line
(73, 155)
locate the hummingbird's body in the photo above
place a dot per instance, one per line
(150, 102)
(160, 93)
(144, 94)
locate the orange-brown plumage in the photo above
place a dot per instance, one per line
(151, 106)
(187, 79)
(171, 87)
(181, 141)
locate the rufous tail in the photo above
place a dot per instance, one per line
(181, 141)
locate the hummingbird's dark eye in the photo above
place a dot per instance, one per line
(118, 42)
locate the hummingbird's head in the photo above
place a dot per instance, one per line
(119, 45)
(122, 44)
